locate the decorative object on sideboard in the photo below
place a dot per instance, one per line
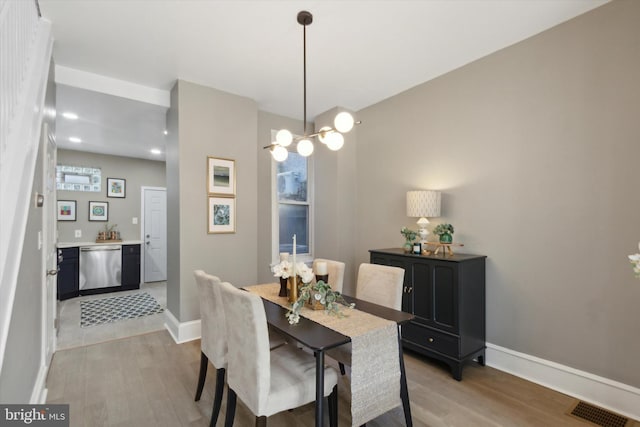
(109, 234)
(422, 204)
(409, 236)
(444, 232)
(330, 136)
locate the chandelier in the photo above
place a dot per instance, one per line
(330, 136)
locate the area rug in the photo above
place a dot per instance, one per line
(113, 309)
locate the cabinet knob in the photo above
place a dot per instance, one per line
(430, 339)
(52, 272)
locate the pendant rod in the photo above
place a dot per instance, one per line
(304, 75)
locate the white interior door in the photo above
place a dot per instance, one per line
(155, 234)
(49, 247)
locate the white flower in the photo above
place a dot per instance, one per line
(635, 260)
(305, 273)
(283, 269)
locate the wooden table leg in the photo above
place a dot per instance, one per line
(319, 388)
(404, 390)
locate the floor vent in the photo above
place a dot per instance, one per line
(598, 416)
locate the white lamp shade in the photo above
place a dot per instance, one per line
(284, 137)
(305, 147)
(423, 203)
(335, 141)
(279, 153)
(343, 122)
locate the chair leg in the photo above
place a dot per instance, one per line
(204, 362)
(217, 401)
(231, 408)
(342, 371)
(261, 421)
(333, 407)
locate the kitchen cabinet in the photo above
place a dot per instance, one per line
(130, 267)
(68, 269)
(446, 293)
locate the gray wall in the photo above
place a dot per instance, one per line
(210, 123)
(266, 123)
(22, 359)
(137, 172)
(536, 150)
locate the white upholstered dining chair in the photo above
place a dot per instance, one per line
(213, 341)
(378, 284)
(267, 382)
(335, 269)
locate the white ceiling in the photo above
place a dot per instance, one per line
(358, 52)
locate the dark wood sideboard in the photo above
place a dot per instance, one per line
(446, 293)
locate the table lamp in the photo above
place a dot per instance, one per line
(422, 204)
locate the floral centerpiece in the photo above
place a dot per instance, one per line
(315, 292)
(444, 231)
(409, 236)
(282, 269)
(635, 260)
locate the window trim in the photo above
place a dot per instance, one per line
(275, 214)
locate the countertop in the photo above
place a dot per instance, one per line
(76, 244)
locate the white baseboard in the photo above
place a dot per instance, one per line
(39, 393)
(615, 396)
(182, 332)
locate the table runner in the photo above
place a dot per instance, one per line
(375, 367)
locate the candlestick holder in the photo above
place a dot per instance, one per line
(323, 277)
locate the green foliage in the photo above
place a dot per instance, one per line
(409, 234)
(443, 229)
(320, 291)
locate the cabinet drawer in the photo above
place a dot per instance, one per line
(431, 339)
(130, 249)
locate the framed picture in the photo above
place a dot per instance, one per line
(221, 176)
(98, 211)
(66, 210)
(221, 215)
(116, 187)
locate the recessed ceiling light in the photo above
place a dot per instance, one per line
(69, 115)
(156, 151)
(75, 139)
(166, 132)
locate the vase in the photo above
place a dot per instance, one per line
(283, 287)
(408, 246)
(446, 238)
(294, 287)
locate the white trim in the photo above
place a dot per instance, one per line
(110, 86)
(182, 332)
(39, 392)
(613, 395)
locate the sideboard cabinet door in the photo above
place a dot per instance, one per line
(447, 296)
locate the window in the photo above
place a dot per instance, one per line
(292, 213)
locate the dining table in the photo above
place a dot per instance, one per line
(318, 337)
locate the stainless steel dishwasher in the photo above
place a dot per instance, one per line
(100, 266)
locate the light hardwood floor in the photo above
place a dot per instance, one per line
(148, 380)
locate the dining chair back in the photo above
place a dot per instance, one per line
(380, 284)
(335, 269)
(266, 381)
(213, 340)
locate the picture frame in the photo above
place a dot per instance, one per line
(221, 215)
(98, 211)
(221, 176)
(67, 210)
(117, 187)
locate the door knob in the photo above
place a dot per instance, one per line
(52, 272)
(148, 236)
(147, 242)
